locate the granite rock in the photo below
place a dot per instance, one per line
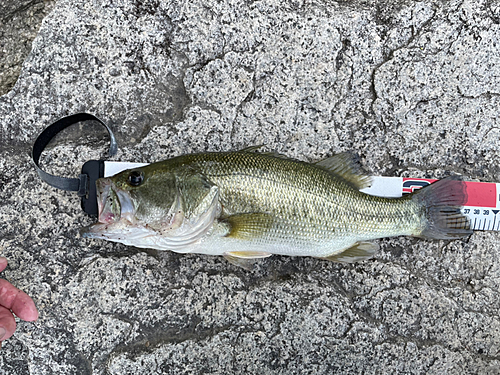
(19, 24)
(411, 87)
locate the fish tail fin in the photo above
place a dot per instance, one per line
(441, 203)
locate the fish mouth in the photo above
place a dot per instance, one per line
(108, 204)
(113, 204)
(115, 207)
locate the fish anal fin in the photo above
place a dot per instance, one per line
(345, 166)
(249, 226)
(356, 253)
(249, 254)
(245, 259)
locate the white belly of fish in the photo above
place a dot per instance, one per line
(215, 241)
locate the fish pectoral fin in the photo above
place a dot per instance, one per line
(249, 226)
(356, 253)
(245, 259)
(346, 167)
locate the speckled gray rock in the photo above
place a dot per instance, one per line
(412, 87)
(19, 24)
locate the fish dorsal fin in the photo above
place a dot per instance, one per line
(356, 253)
(343, 165)
(251, 148)
(267, 153)
(276, 154)
(249, 226)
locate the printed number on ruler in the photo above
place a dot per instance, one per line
(482, 205)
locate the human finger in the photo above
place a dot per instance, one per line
(16, 300)
(7, 323)
(3, 263)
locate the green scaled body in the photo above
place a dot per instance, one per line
(251, 205)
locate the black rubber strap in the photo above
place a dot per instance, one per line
(80, 184)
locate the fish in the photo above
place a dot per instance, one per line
(247, 205)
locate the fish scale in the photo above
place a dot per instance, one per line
(333, 213)
(268, 204)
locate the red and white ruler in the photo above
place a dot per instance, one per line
(483, 200)
(482, 207)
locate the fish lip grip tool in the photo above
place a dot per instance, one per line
(84, 185)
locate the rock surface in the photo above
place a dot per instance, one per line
(19, 24)
(412, 87)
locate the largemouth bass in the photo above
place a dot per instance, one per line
(247, 205)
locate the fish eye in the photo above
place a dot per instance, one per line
(135, 178)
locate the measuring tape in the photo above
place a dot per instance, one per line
(482, 207)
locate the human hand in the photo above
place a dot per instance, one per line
(13, 300)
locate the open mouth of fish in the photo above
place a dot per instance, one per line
(113, 204)
(115, 209)
(117, 221)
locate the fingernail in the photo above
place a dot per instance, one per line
(2, 332)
